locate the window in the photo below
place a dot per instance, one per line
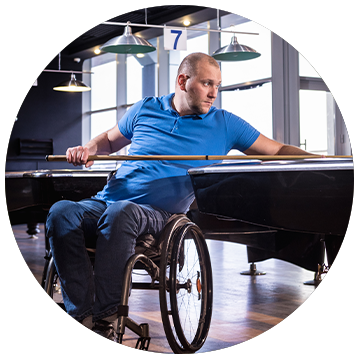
(255, 69)
(100, 103)
(317, 122)
(102, 121)
(317, 113)
(103, 94)
(253, 105)
(133, 80)
(103, 85)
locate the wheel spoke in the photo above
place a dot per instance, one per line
(190, 290)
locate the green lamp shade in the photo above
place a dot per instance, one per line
(235, 52)
(127, 44)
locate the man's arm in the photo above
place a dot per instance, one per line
(266, 146)
(104, 144)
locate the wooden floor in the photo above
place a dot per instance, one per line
(243, 308)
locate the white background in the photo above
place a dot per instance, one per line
(324, 32)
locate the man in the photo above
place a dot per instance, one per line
(142, 195)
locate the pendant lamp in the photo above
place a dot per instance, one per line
(127, 44)
(235, 52)
(72, 85)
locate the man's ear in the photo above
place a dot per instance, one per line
(181, 80)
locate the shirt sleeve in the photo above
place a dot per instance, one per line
(241, 135)
(127, 123)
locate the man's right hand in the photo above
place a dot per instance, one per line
(78, 155)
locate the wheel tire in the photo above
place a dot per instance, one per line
(174, 263)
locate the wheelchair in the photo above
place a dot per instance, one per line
(178, 263)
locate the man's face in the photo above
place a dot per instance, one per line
(201, 89)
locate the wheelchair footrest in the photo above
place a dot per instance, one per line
(142, 330)
(143, 343)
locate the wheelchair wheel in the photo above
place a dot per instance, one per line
(52, 284)
(186, 288)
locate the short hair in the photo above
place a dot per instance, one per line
(190, 63)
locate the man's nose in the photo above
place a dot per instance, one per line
(213, 91)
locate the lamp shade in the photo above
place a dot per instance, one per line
(72, 85)
(235, 52)
(127, 44)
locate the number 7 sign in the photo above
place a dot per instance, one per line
(175, 39)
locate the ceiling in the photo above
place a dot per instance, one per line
(84, 45)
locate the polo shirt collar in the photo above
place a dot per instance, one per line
(166, 103)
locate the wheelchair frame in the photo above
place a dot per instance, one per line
(180, 241)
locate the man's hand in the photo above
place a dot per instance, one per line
(104, 144)
(78, 155)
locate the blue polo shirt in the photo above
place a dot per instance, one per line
(155, 128)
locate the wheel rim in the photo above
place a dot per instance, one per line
(164, 295)
(190, 286)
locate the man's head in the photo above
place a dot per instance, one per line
(197, 84)
(190, 63)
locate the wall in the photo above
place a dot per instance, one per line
(47, 114)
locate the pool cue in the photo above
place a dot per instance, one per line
(195, 157)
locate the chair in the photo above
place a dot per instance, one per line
(178, 263)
